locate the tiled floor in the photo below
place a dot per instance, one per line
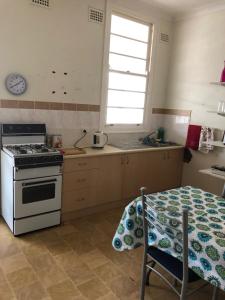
(75, 261)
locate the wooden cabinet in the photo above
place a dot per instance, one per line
(94, 181)
(111, 178)
(156, 170)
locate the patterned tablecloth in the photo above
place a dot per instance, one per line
(206, 226)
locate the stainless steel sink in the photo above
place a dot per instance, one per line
(135, 145)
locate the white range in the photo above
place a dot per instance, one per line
(31, 178)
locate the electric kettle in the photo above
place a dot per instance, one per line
(100, 139)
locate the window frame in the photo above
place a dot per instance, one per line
(106, 70)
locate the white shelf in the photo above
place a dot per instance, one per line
(218, 83)
(215, 144)
(210, 173)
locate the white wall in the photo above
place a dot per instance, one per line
(197, 59)
(35, 41)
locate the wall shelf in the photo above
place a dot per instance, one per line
(218, 83)
(215, 144)
(210, 173)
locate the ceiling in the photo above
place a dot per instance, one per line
(184, 6)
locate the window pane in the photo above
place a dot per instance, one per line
(124, 116)
(127, 64)
(127, 82)
(128, 47)
(129, 28)
(126, 99)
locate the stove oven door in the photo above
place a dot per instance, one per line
(37, 196)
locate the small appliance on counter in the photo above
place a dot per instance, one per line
(31, 178)
(100, 139)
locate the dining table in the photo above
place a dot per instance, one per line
(206, 229)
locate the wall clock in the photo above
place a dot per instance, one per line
(16, 84)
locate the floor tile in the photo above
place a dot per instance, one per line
(8, 248)
(63, 291)
(80, 273)
(51, 276)
(41, 261)
(33, 291)
(94, 259)
(123, 286)
(6, 292)
(58, 248)
(93, 289)
(67, 260)
(13, 263)
(107, 272)
(21, 278)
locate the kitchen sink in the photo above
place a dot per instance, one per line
(136, 145)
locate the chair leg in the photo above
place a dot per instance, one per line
(215, 293)
(153, 263)
(144, 275)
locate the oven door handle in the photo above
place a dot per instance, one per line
(38, 182)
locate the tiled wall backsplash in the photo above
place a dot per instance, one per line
(70, 119)
(68, 123)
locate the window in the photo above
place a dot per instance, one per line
(129, 58)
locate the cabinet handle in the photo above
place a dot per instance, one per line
(128, 159)
(168, 155)
(122, 160)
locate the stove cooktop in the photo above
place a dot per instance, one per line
(29, 149)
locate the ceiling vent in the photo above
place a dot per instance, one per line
(96, 15)
(164, 37)
(42, 3)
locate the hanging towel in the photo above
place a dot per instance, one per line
(193, 137)
(206, 136)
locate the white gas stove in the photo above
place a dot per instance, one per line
(31, 178)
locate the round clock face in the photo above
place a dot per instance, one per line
(16, 84)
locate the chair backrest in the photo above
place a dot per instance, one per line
(176, 229)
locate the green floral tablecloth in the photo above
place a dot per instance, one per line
(206, 226)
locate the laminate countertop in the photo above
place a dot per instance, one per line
(110, 150)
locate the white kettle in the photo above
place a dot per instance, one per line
(100, 139)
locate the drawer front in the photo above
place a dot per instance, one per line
(77, 164)
(79, 199)
(77, 180)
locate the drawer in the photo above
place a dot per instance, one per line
(77, 164)
(77, 180)
(79, 199)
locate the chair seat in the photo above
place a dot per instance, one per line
(172, 264)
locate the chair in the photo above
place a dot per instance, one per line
(179, 270)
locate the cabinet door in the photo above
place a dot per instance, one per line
(171, 169)
(155, 170)
(110, 178)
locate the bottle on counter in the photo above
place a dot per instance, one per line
(222, 79)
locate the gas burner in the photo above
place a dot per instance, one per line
(29, 149)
